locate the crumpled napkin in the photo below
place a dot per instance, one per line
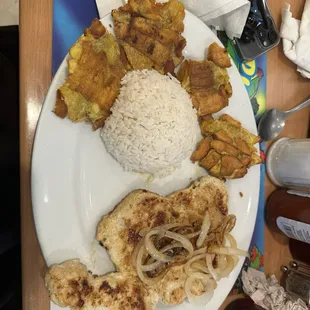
(228, 15)
(296, 38)
(267, 293)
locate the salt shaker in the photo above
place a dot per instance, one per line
(288, 163)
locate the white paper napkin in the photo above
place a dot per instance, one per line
(268, 293)
(106, 6)
(228, 15)
(296, 38)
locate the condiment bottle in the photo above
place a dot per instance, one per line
(288, 163)
(243, 304)
(300, 251)
(289, 214)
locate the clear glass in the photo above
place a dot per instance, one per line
(288, 163)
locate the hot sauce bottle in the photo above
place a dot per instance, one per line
(289, 214)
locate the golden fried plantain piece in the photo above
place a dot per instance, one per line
(95, 70)
(238, 173)
(206, 118)
(137, 60)
(210, 160)
(202, 150)
(200, 74)
(183, 75)
(216, 170)
(227, 118)
(153, 29)
(223, 136)
(127, 65)
(61, 109)
(231, 127)
(224, 148)
(255, 159)
(209, 101)
(122, 18)
(226, 90)
(203, 74)
(148, 46)
(207, 83)
(244, 159)
(219, 55)
(242, 146)
(232, 147)
(229, 165)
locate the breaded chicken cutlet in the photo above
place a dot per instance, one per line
(96, 67)
(119, 232)
(70, 284)
(207, 81)
(150, 33)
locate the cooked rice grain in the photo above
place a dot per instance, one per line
(153, 126)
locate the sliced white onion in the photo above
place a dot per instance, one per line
(225, 270)
(232, 240)
(192, 235)
(145, 230)
(151, 249)
(151, 265)
(200, 251)
(145, 279)
(200, 267)
(204, 230)
(227, 251)
(187, 267)
(211, 269)
(210, 237)
(187, 245)
(229, 223)
(171, 246)
(204, 298)
(235, 259)
(221, 262)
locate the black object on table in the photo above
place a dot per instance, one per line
(243, 304)
(10, 252)
(260, 33)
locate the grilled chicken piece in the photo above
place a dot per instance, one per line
(118, 231)
(71, 285)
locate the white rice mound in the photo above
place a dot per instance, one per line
(153, 126)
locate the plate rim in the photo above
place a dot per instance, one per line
(37, 136)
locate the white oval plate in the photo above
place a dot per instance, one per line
(75, 181)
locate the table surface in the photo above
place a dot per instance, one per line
(285, 88)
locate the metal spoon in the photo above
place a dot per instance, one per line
(273, 121)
